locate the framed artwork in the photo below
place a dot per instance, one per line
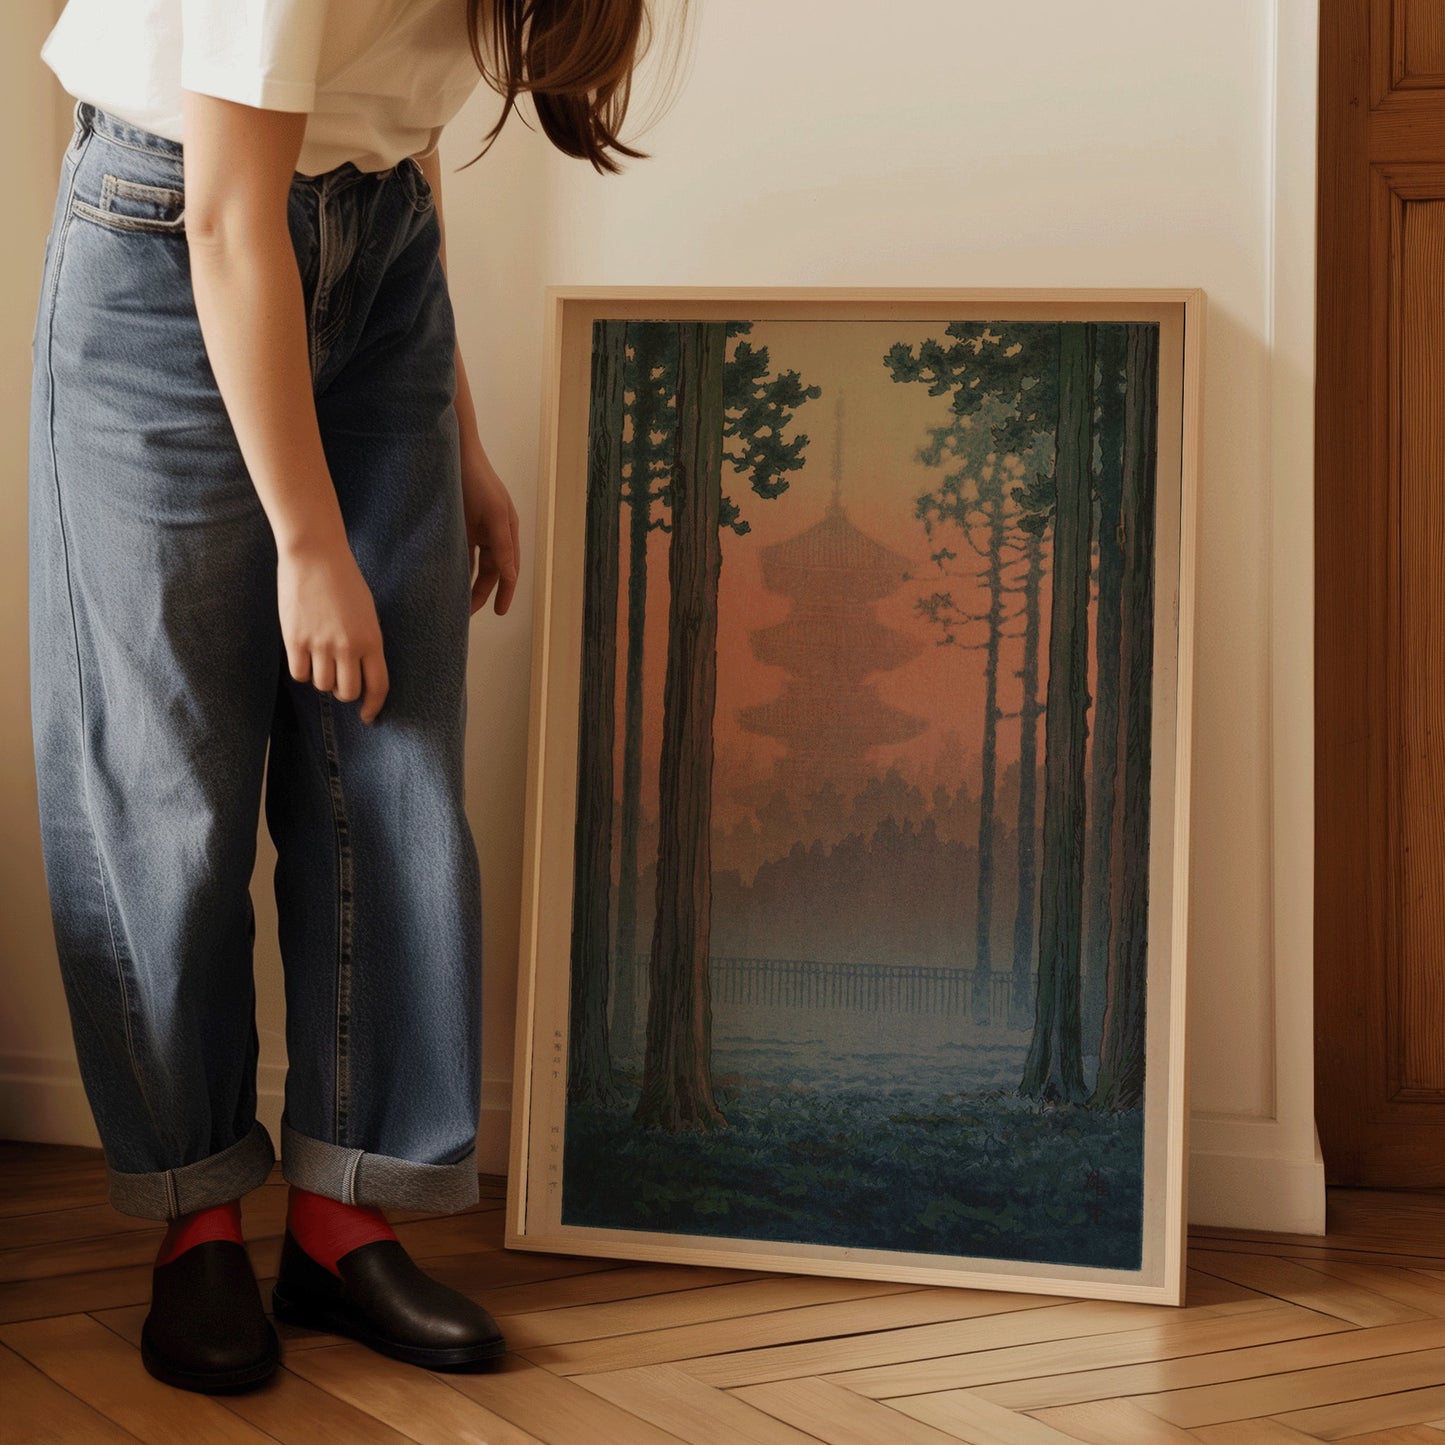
(854, 926)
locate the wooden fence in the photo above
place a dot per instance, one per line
(865, 987)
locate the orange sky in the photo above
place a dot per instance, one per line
(883, 424)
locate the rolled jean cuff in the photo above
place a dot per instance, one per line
(357, 1176)
(216, 1179)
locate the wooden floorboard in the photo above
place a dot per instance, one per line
(1282, 1339)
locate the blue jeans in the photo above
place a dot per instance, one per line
(159, 680)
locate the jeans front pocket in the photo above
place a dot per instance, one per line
(128, 205)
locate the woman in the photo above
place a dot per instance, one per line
(256, 488)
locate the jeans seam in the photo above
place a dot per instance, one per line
(320, 283)
(54, 286)
(111, 138)
(342, 1081)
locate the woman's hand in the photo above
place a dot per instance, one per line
(491, 517)
(329, 624)
(491, 528)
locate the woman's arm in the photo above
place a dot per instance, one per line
(239, 165)
(492, 525)
(239, 162)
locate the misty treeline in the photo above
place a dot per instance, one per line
(885, 875)
(1051, 429)
(1069, 409)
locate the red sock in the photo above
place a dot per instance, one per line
(326, 1228)
(220, 1221)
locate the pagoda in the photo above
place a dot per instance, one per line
(827, 715)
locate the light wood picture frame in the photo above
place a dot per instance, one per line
(847, 948)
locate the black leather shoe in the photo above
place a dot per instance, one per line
(385, 1300)
(207, 1329)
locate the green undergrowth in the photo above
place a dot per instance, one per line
(989, 1175)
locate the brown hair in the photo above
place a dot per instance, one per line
(576, 59)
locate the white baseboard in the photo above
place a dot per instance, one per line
(41, 1100)
(1245, 1188)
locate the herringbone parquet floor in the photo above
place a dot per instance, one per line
(1282, 1339)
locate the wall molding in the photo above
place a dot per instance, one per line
(1266, 1170)
(1236, 1189)
(1238, 1183)
(43, 1101)
(1292, 603)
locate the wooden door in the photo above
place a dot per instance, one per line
(1380, 594)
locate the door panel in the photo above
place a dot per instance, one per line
(1410, 50)
(1380, 594)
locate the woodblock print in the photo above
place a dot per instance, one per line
(911, 858)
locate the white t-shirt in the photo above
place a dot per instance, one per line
(380, 78)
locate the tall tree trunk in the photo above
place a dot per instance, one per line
(1120, 1084)
(648, 353)
(1053, 1070)
(589, 1064)
(677, 1090)
(1020, 997)
(1104, 751)
(983, 961)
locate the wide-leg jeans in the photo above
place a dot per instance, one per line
(165, 716)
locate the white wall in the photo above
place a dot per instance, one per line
(40, 1096)
(956, 143)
